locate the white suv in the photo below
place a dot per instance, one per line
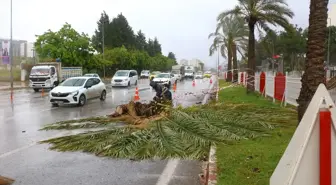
(125, 78)
(144, 74)
(167, 79)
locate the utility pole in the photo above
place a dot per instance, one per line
(11, 45)
(103, 44)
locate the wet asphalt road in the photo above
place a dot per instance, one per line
(30, 163)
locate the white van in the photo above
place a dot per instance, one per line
(124, 78)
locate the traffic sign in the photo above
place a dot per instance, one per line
(308, 157)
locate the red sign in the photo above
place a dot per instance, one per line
(276, 56)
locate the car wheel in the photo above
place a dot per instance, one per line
(169, 85)
(103, 96)
(136, 82)
(82, 100)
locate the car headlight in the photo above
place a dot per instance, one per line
(125, 80)
(75, 93)
(48, 82)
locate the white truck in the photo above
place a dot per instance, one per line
(178, 71)
(49, 75)
(189, 72)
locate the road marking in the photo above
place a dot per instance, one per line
(168, 172)
(28, 146)
(17, 150)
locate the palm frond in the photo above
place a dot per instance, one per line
(185, 133)
(236, 11)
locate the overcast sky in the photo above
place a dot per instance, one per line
(182, 26)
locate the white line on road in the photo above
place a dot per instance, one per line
(28, 146)
(16, 150)
(168, 172)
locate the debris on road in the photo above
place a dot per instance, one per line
(136, 113)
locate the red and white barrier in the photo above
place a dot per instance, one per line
(309, 158)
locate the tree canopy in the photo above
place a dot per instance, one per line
(123, 49)
(73, 48)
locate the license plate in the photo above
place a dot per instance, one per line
(58, 102)
(118, 83)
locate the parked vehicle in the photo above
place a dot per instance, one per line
(178, 71)
(144, 74)
(92, 75)
(165, 79)
(153, 74)
(199, 75)
(124, 78)
(207, 74)
(77, 90)
(189, 72)
(49, 75)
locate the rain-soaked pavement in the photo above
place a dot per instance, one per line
(30, 163)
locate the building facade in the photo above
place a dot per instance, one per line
(21, 48)
(332, 15)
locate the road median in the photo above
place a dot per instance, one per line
(253, 161)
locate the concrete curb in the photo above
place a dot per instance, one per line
(209, 168)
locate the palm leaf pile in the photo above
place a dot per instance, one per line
(183, 133)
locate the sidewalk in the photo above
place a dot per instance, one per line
(17, 85)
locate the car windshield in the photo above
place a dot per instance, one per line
(199, 73)
(74, 82)
(156, 73)
(162, 76)
(121, 73)
(144, 72)
(189, 71)
(38, 71)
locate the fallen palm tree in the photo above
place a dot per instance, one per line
(159, 131)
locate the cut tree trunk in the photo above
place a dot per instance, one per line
(137, 113)
(251, 56)
(314, 73)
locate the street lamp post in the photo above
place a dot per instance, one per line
(103, 45)
(11, 45)
(329, 33)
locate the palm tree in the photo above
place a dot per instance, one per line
(259, 13)
(314, 70)
(231, 35)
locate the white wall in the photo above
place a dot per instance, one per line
(30, 47)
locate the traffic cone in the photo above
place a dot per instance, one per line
(210, 81)
(136, 96)
(193, 83)
(12, 95)
(174, 87)
(42, 92)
